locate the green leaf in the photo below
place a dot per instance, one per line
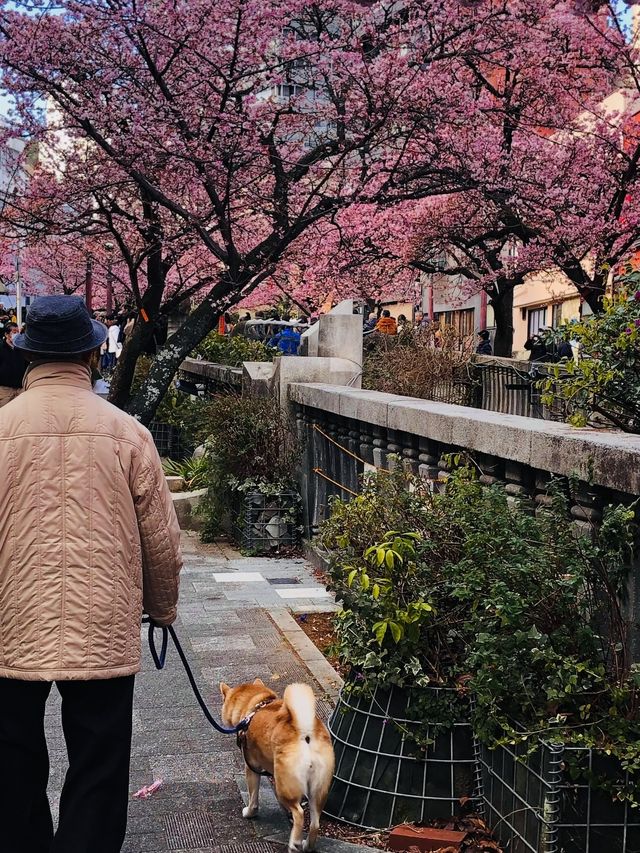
(380, 631)
(396, 631)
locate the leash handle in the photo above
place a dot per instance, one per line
(160, 660)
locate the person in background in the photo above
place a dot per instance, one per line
(129, 325)
(113, 345)
(239, 329)
(484, 345)
(387, 325)
(370, 323)
(403, 323)
(287, 340)
(12, 365)
(537, 347)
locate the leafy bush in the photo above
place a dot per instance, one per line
(193, 471)
(431, 362)
(606, 379)
(462, 588)
(251, 446)
(224, 349)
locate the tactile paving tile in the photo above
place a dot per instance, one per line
(250, 847)
(282, 581)
(190, 829)
(290, 672)
(324, 709)
(268, 641)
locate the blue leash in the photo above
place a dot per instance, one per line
(159, 660)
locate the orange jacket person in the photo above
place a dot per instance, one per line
(387, 324)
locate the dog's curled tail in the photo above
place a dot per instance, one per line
(300, 701)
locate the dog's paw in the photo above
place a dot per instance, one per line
(305, 846)
(248, 812)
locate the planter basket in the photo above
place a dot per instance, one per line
(534, 807)
(169, 441)
(264, 523)
(382, 777)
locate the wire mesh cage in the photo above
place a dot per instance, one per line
(169, 441)
(383, 777)
(265, 523)
(534, 805)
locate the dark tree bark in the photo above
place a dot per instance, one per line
(591, 288)
(168, 360)
(501, 300)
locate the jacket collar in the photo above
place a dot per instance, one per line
(70, 373)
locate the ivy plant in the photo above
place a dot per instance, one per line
(605, 380)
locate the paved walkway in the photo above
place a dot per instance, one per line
(228, 635)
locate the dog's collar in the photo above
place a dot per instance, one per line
(263, 704)
(243, 725)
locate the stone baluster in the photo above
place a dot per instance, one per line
(520, 485)
(379, 447)
(366, 443)
(428, 461)
(410, 453)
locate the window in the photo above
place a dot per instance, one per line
(556, 315)
(284, 91)
(462, 321)
(536, 321)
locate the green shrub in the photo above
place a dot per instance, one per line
(193, 471)
(462, 588)
(232, 351)
(606, 378)
(250, 446)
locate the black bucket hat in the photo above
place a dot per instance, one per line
(60, 325)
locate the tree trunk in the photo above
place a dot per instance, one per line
(166, 363)
(501, 300)
(135, 344)
(593, 295)
(591, 289)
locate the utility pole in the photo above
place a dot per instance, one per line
(109, 249)
(18, 287)
(88, 283)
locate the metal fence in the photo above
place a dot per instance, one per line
(509, 386)
(535, 804)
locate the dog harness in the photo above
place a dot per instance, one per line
(241, 736)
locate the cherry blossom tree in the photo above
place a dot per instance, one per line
(230, 129)
(208, 144)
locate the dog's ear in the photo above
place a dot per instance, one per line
(224, 689)
(260, 682)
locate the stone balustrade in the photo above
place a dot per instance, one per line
(346, 431)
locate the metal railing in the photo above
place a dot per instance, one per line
(504, 385)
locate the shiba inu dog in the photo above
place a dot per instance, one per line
(284, 739)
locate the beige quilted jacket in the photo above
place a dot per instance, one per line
(87, 532)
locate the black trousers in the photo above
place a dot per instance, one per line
(97, 723)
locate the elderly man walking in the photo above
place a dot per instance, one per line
(88, 535)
